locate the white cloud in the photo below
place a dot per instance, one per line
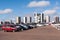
(5, 11)
(52, 11)
(49, 11)
(57, 3)
(56, 8)
(38, 4)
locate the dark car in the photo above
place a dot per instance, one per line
(24, 27)
(29, 27)
(18, 27)
(33, 26)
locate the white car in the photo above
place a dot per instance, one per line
(39, 25)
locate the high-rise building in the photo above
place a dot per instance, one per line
(56, 19)
(11, 22)
(37, 18)
(24, 19)
(18, 20)
(42, 18)
(27, 19)
(1, 22)
(47, 18)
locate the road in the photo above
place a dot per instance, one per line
(40, 33)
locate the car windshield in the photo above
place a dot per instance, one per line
(9, 26)
(17, 26)
(23, 25)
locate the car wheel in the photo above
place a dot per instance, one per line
(35, 27)
(21, 29)
(13, 30)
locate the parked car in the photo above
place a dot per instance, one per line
(33, 26)
(12, 28)
(24, 27)
(39, 25)
(19, 28)
(29, 27)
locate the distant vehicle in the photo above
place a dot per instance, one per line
(19, 28)
(33, 26)
(24, 27)
(39, 25)
(29, 27)
(12, 28)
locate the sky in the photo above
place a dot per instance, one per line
(10, 9)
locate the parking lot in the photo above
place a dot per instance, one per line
(40, 33)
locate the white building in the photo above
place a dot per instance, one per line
(27, 19)
(37, 18)
(24, 19)
(18, 20)
(47, 18)
(42, 18)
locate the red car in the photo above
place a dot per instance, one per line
(12, 28)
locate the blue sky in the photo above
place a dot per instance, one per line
(9, 9)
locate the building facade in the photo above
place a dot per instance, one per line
(24, 19)
(27, 19)
(37, 18)
(56, 19)
(47, 18)
(18, 20)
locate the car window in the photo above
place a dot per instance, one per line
(12, 26)
(24, 26)
(9, 26)
(17, 26)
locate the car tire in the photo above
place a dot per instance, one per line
(21, 29)
(13, 30)
(35, 27)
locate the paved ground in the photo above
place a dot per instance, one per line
(40, 33)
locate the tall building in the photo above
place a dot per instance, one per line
(11, 22)
(1, 22)
(37, 18)
(42, 18)
(27, 19)
(18, 20)
(24, 19)
(47, 18)
(56, 19)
